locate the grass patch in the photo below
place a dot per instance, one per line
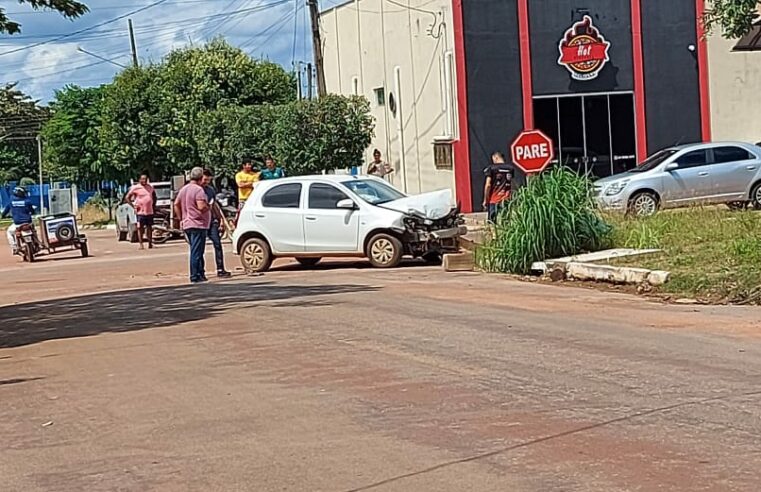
(712, 253)
(552, 216)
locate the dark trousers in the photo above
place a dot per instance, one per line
(216, 241)
(197, 240)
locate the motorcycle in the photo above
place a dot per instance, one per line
(27, 244)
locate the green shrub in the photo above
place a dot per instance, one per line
(552, 216)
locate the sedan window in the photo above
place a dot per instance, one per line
(372, 191)
(283, 196)
(730, 154)
(326, 197)
(695, 158)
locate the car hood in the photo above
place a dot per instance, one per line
(434, 205)
(616, 177)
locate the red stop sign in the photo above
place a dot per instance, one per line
(532, 151)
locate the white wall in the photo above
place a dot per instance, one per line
(364, 40)
(735, 91)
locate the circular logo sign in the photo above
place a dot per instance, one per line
(583, 50)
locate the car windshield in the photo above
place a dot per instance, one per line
(163, 193)
(372, 191)
(653, 161)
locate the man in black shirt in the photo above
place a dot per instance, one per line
(498, 187)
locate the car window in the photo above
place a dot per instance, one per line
(730, 154)
(283, 196)
(163, 193)
(653, 161)
(324, 196)
(693, 159)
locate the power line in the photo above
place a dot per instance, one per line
(133, 12)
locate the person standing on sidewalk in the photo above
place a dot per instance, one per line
(217, 226)
(192, 209)
(498, 186)
(271, 170)
(378, 167)
(143, 198)
(246, 179)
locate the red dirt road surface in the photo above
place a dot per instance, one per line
(115, 374)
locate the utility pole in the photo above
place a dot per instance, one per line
(42, 185)
(314, 13)
(309, 81)
(298, 75)
(132, 43)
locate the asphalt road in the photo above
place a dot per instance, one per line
(117, 375)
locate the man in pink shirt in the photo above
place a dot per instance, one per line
(192, 208)
(143, 199)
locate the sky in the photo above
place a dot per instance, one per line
(46, 55)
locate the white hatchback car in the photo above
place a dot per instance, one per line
(310, 217)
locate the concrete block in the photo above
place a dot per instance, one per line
(458, 262)
(606, 273)
(658, 277)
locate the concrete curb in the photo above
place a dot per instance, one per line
(607, 273)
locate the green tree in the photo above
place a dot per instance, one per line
(131, 127)
(306, 136)
(151, 115)
(20, 120)
(71, 137)
(735, 18)
(198, 79)
(71, 9)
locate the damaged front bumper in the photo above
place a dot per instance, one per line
(424, 237)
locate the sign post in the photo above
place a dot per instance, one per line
(532, 151)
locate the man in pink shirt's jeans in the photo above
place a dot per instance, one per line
(192, 208)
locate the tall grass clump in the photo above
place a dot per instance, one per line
(552, 216)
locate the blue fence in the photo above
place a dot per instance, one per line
(6, 192)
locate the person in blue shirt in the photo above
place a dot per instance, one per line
(271, 170)
(21, 210)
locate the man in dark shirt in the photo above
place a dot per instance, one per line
(217, 224)
(498, 187)
(21, 210)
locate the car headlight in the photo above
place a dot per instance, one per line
(616, 188)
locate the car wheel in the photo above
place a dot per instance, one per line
(755, 196)
(643, 204)
(256, 255)
(384, 251)
(308, 262)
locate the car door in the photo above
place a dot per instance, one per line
(280, 218)
(732, 172)
(690, 181)
(328, 228)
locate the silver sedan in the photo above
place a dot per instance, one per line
(710, 173)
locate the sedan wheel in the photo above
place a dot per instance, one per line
(643, 205)
(255, 256)
(755, 196)
(384, 251)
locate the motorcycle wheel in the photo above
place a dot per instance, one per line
(85, 251)
(160, 236)
(28, 252)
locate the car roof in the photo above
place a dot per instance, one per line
(332, 178)
(709, 145)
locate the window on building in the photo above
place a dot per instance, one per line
(693, 159)
(380, 96)
(283, 196)
(325, 197)
(730, 154)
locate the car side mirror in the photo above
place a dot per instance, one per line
(347, 204)
(673, 166)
